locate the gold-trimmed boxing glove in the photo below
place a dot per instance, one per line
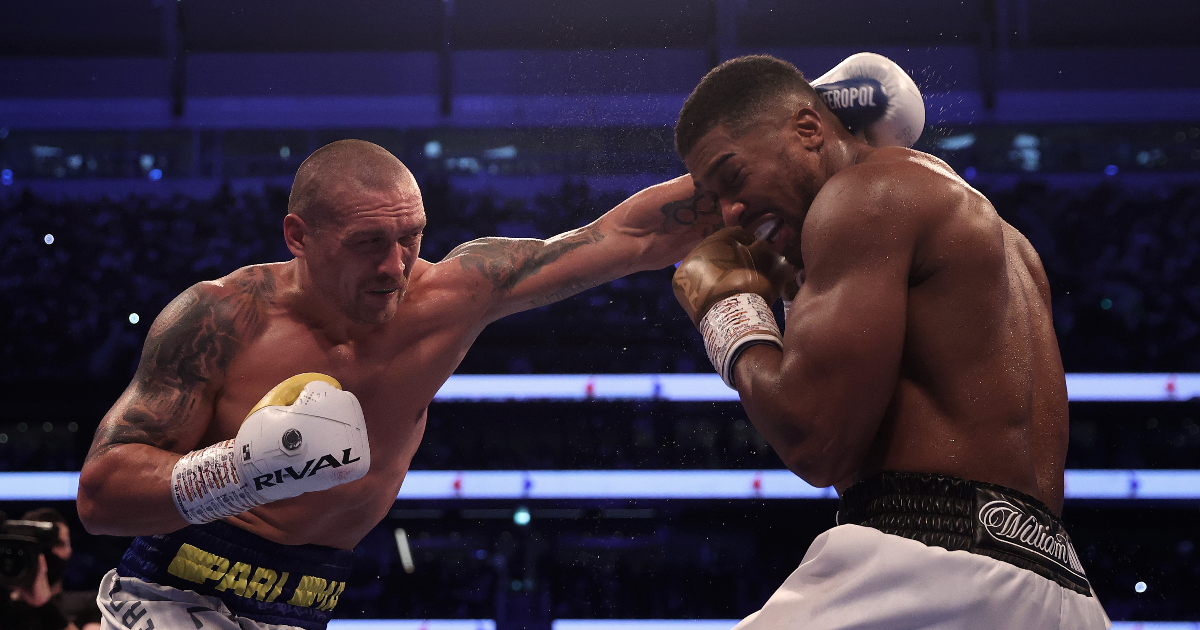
(727, 285)
(306, 434)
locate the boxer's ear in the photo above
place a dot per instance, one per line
(809, 127)
(295, 234)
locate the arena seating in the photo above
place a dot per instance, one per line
(1123, 265)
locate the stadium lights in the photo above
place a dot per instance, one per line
(639, 624)
(709, 388)
(522, 485)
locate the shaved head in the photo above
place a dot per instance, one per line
(355, 221)
(340, 170)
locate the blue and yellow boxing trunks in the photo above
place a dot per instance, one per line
(254, 577)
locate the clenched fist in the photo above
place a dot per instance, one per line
(726, 285)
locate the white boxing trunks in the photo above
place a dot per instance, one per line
(936, 553)
(129, 603)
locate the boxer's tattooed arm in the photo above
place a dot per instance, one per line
(189, 346)
(561, 294)
(695, 210)
(505, 262)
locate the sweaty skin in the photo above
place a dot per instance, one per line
(921, 338)
(358, 304)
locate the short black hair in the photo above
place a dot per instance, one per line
(733, 94)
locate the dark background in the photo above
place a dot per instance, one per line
(156, 141)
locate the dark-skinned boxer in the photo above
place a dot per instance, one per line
(918, 372)
(245, 505)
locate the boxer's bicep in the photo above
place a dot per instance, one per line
(169, 403)
(825, 394)
(843, 348)
(167, 407)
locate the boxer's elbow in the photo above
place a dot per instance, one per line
(818, 460)
(815, 436)
(90, 515)
(95, 499)
(790, 431)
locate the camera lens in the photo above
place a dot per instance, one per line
(12, 562)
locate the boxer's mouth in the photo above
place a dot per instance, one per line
(768, 228)
(767, 231)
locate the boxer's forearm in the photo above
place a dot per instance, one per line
(126, 491)
(810, 426)
(665, 221)
(652, 229)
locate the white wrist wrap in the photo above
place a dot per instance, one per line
(208, 485)
(732, 325)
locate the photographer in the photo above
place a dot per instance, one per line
(42, 604)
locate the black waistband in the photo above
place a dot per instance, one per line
(258, 579)
(960, 514)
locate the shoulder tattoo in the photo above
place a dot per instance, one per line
(505, 262)
(190, 344)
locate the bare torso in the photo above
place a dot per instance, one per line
(219, 347)
(394, 374)
(981, 392)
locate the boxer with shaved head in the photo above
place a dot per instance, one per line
(245, 505)
(918, 371)
(275, 411)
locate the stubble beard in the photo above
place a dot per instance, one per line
(362, 313)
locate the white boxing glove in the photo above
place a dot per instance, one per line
(306, 434)
(875, 99)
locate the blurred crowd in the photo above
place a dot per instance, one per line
(1124, 269)
(82, 281)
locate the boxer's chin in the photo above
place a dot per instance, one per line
(374, 308)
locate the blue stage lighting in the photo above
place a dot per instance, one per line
(155, 175)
